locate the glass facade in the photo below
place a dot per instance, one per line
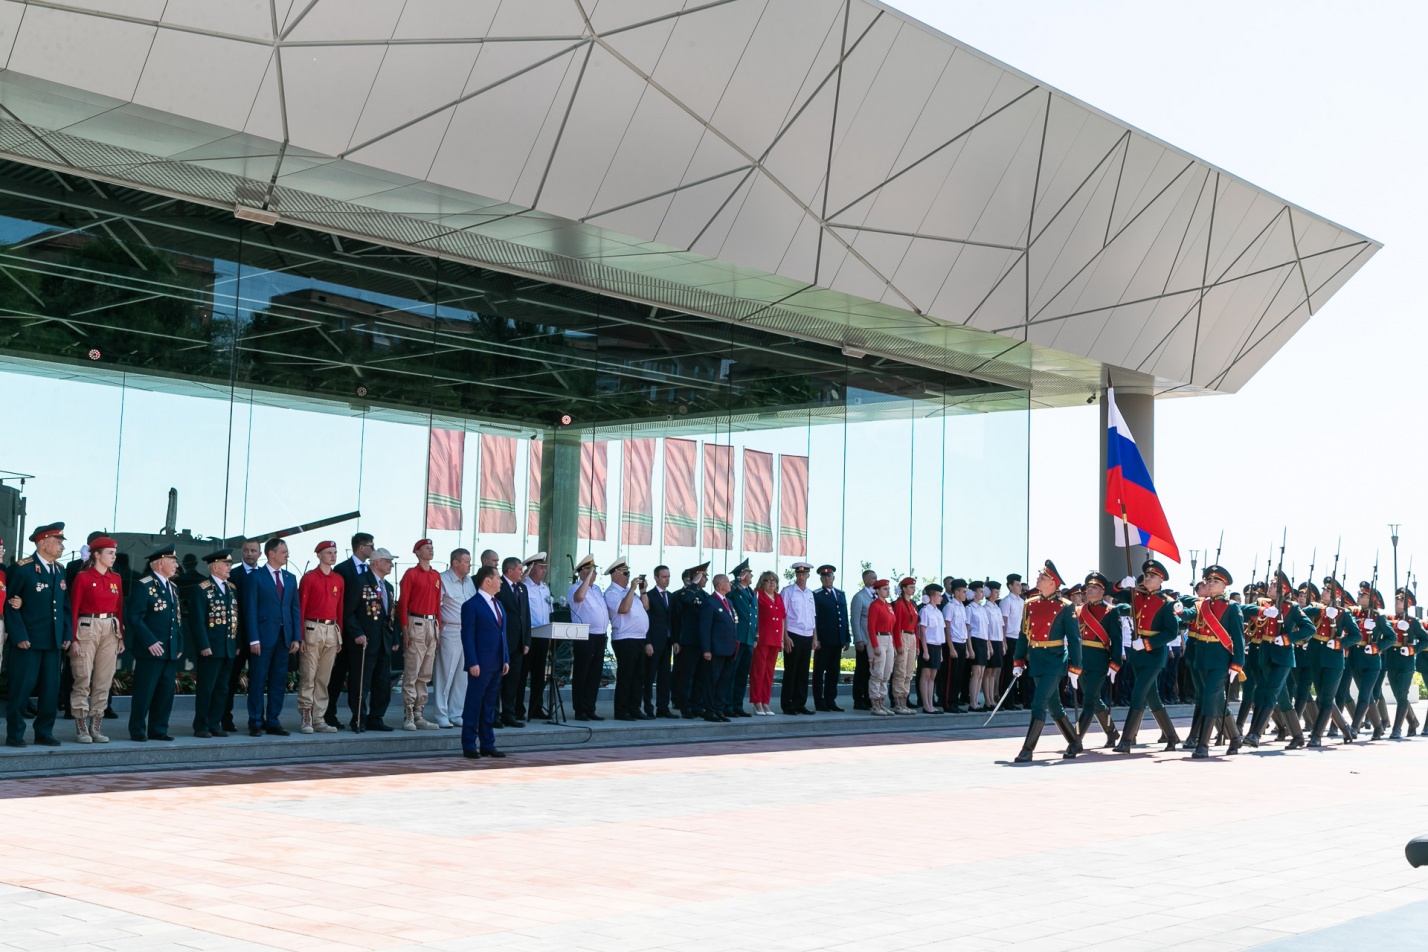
(277, 377)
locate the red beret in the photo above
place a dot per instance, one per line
(326, 544)
(420, 543)
(881, 583)
(103, 542)
(907, 581)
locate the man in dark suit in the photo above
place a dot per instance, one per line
(689, 606)
(252, 551)
(830, 623)
(657, 674)
(154, 625)
(354, 571)
(38, 623)
(369, 636)
(270, 618)
(484, 647)
(718, 643)
(515, 602)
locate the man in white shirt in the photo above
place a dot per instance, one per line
(587, 607)
(448, 680)
(800, 643)
(629, 629)
(538, 593)
(953, 684)
(1012, 604)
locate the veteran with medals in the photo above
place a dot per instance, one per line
(38, 625)
(155, 631)
(212, 623)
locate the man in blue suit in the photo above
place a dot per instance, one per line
(483, 642)
(718, 643)
(270, 617)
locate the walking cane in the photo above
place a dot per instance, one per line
(360, 720)
(999, 703)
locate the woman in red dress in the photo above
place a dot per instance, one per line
(772, 627)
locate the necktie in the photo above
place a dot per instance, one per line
(361, 567)
(383, 589)
(278, 580)
(500, 618)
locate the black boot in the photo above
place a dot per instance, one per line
(1167, 729)
(1316, 736)
(1232, 731)
(1296, 733)
(1256, 728)
(1033, 734)
(1068, 731)
(1131, 728)
(1109, 726)
(1345, 730)
(1084, 724)
(1200, 737)
(1398, 719)
(1193, 738)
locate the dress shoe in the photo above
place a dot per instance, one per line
(355, 727)
(820, 707)
(715, 718)
(669, 715)
(221, 732)
(538, 715)
(12, 742)
(229, 726)
(278, 731)
(580, 717)
(743, 712)
(332, 722)
(136, 738)
(862, 706)
(835, 708)
(513, 722)
(471, 755)
(649, 713)
(161, 737)
(626, 717)
(255, 732)
(688, 715)
(642, 716)
(48, 741)
(804, 710)
(378, 726)
(725, 719)
(493, 753)
(204, 734)
(596, 717)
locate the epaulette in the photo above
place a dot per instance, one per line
(1064, 601)
(146, 580)
(25, 561)
(205, 584)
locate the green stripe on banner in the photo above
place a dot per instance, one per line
(496, 505)
(758, 527)
(438, 499)
(791, 533)
(637, 519)
(682, 522)
(719, 524)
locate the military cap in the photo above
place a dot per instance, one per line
(102, 542)
(800, 566)
(1406, 593)
(929, 589)
(1049, 570)
(826, 570)
(1076, 589)
(161, 552)
(880, 583)
(44, 532)
(419, 543)
(536, 559)
(222, 555)
(957, 583)
(383, 554)
(619, 562)
(588, 560)
(1217, 572)
(1013, 578)
(1096, 578)
(741, 568)
(1153, 565)
(324, 544)
(1285, 585)
(1375, 596)
(994, 585)
(1312, 589)
(906, 582)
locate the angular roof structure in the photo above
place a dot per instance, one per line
(830, 170)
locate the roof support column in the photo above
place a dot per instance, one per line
(560, 504)
(1137, 406)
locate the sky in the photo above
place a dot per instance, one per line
(1322, 104)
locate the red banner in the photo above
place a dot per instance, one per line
(592, 491)
(718, 496)
(533, 491)
(496, 500)
(793, 505)
(637, 497)
(446, 451)
(758, 501)
(680, 518)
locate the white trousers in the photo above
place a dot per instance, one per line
(448, 678)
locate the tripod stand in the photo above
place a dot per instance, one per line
(553, 703)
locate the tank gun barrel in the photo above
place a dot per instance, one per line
(305, 527)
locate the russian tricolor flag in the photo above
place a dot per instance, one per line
(1129, 490)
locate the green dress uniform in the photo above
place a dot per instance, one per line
(1049, 648)
(1399, 659)
(43, 621)
(1279, 629)
(212, 623)
(746, 630)
(1334, 633)
(1156, 623)
(1218, 626)
(153, 619)
(1101, 654)
(1366, 661)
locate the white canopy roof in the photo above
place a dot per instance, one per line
(830, 169)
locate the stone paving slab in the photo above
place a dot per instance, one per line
(855, 842)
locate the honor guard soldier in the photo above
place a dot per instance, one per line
(830, 621)
(1050, 648)
(1101, 654)
(212, 621)
(1155, 621)
(1280, 626)
(1409, 638)
(746, 608)
(38, 623)
(1335, 631)
(321, 597)
(155, 623)
(96, 608)
(689, 606)
(1218, 626)
(1376, 634)
(419, 612)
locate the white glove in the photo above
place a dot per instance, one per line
(1128, 582)
(1017, 670)
(1138, 644)
(1178, 608)
(1125, 626)
(1279, 641)
(1331, 612)
(1370, 625)
(1075, 679)
(1112, 675)
(1332, 644)
(1402, 624)
(1406, 652)
(1271, 612)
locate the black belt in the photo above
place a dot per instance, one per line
(105, 615)
(321, 621)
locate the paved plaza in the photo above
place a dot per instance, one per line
(855, 843)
